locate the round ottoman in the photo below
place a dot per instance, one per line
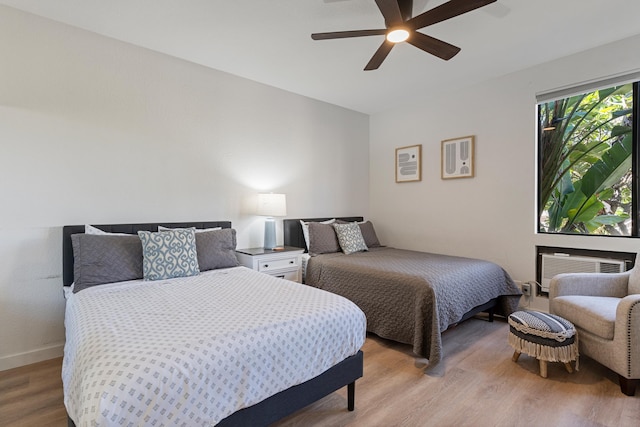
(547, 337)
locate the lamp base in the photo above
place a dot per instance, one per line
(269, 233)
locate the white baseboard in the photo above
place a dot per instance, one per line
(34, 356)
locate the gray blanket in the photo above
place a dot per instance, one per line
(411, 297)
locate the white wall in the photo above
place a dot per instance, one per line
(97, 131)
(491, 216)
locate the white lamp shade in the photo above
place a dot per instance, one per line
(272, 204)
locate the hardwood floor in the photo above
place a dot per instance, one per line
(32, 395)
(477, 385)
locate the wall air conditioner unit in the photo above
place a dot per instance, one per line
(557, 263)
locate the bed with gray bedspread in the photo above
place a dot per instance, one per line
(412, 297)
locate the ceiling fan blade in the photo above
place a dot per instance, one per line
(406, 9)
(446, 11)
(379, 56)
(390, 9)
(433, 46)
(347, 34)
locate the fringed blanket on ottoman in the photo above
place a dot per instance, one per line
(547, 337)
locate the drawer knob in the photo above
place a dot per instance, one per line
(291, 262)
(266, 266)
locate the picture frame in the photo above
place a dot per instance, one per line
(457, 157)
(408, 163)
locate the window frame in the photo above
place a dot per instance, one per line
(635, 155)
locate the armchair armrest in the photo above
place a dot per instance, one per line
(589, 284)
(629, 308)
(627, 333)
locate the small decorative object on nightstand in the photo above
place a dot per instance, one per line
(285, 263)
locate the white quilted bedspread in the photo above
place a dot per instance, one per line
(192, 351)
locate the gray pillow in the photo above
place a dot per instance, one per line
(350, 238)
(216, 249)
(369, 234)
(169, 254)
(305, 229)
(323, 239)
(105, 258)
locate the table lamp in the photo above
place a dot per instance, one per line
(271, 205)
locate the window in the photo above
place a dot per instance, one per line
(587, 172)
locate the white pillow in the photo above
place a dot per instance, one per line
(305, 229)
(90, 229)
(198, 230)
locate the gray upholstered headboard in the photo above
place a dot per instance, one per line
(293, 229)
(68, 230)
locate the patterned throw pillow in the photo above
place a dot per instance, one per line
(169, 254)
(216, 247)
(350, 238)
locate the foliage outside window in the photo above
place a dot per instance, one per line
(586, 174)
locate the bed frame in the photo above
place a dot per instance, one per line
(293, 236)
(273, 408)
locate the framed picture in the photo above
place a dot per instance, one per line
(409, 163)
(457, 159)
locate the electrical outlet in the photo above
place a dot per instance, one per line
(526, 289)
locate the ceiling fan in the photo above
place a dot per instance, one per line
(400, 26)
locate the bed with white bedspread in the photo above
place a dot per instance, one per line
(198, 352)
(194, 350)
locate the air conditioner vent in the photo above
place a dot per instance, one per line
(553, 264)
(610, 267)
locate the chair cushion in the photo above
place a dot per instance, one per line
(592, 314)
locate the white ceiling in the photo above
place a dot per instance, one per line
(269, 40)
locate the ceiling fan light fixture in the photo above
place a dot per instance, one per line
(398, 35)
(401, 26)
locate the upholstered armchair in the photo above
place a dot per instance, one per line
(605, 309)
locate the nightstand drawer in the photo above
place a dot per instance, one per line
(278, 264)
(285, 263)
(289, 275)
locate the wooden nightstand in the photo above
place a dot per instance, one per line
(285, 263)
